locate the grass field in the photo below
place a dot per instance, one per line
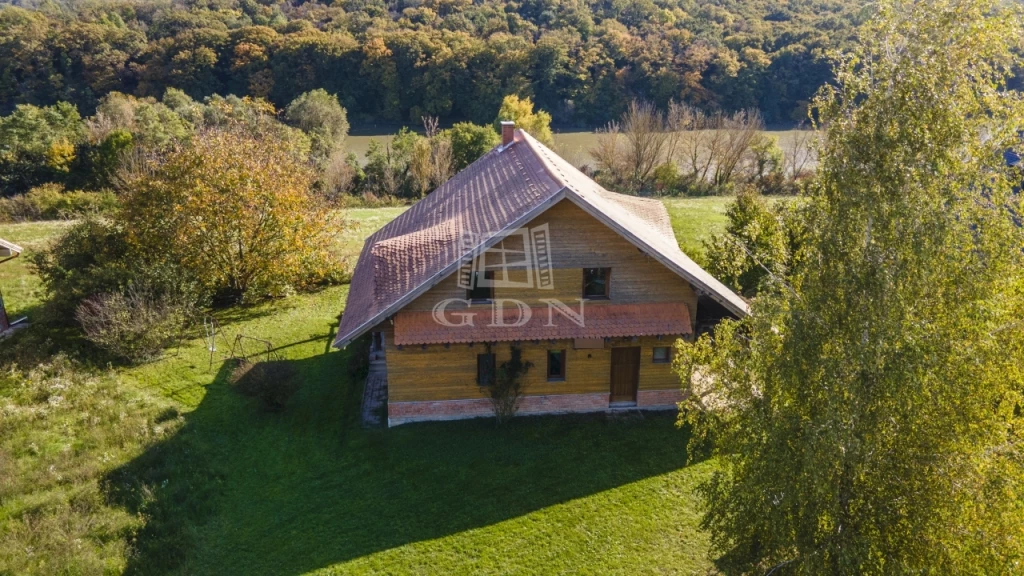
(572, 145)
(164, 469)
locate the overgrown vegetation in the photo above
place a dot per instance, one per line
(61, 430)
(869, 418)
(52, 202)
(135, 325)
(684, 150)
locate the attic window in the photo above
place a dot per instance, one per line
(596, 283)
(483, 289)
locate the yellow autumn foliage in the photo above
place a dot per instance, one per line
(236, 211)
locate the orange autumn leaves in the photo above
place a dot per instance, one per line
(234, 210)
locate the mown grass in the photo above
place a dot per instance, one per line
(164, 469)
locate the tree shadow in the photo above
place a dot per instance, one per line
(292, 492)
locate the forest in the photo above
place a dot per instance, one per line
(583, 61)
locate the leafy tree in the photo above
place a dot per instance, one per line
(759, 245)
(37, 145)
(235, 211)
(869, 420)
(95, 165)
(469, 142)
(387, 164)
(150, 123)
(538, 123)
(320, 116)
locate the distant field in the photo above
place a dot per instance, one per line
(574, 146)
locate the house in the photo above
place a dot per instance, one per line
(523, 250)
(8, 251)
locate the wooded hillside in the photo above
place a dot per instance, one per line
(582, 60)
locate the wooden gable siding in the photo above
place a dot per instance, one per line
(580, 241)
(436, 372)
(417, 374)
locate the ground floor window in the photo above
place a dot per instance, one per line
(662, 355)
(485, 369)
(556, 365)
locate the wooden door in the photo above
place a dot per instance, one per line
(625, 374)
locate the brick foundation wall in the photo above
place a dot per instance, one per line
(405, 412)
(658, 399)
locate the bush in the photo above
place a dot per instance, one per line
(135, 325)
(51, 202)
(92, 258)
(235, 212)
(272, 382)
(507, 390)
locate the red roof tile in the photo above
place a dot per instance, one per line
(599, 321)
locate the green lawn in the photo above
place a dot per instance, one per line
(202, 480)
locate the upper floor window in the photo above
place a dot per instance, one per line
(596, 282)
(482, 290)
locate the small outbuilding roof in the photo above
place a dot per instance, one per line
(9, 249)
(492, 197)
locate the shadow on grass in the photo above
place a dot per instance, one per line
(292, 492)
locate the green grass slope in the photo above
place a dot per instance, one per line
(165, 469)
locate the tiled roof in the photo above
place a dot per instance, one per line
(497, 194)
(599, 321)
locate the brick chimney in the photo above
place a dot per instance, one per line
(508, 131)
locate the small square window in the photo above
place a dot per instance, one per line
(556, 365)
(485, 369)
(596, 282)
(662, 355)
(482, 290)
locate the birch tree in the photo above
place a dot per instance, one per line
(868, 417)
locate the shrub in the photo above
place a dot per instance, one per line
(134, 325)
(92, 258)
(51, 202)
(272, 382)
(507, 390)
(234, 210)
